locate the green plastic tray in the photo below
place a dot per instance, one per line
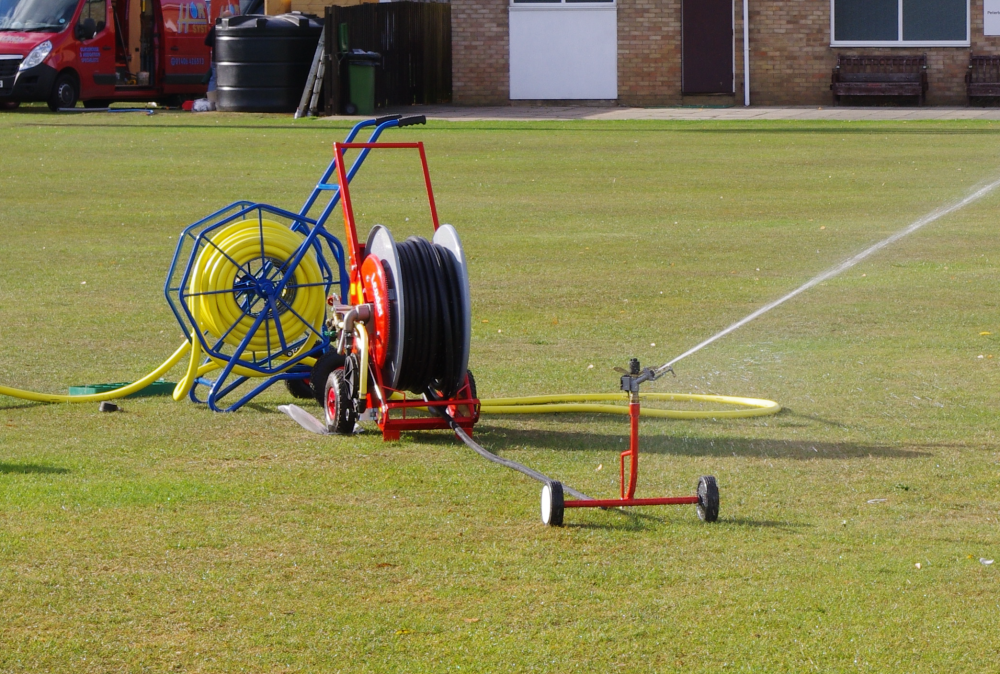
(157, 388)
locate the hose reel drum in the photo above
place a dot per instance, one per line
(419, 291)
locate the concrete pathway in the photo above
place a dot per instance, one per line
(537, 113)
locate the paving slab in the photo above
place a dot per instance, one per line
(457, 113)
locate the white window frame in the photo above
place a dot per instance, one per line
(967, 42)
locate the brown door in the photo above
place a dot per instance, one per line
(707, 52)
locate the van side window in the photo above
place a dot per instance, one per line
(95, 13)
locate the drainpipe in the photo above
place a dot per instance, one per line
(746, 53)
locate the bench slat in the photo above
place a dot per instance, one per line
(984, 89)
(880, 77)
(877, 89)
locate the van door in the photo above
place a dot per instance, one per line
(96, 57)
(187, 59)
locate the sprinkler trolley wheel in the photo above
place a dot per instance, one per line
(553, 504)
(706, 500)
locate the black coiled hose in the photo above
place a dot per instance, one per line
(433, 324)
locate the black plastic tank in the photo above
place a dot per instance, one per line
(262, 62)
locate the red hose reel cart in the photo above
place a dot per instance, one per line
(407, 321)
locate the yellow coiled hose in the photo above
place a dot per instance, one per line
(215, 308)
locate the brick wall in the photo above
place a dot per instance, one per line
(480, 72)
(791, 58)
(649, 52)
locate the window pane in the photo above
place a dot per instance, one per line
(866, 19)
(935, 20)
(96, 10)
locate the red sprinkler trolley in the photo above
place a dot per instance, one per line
(706, 500)
(406, 327)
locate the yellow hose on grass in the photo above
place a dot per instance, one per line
(584, 403)
(213, 303)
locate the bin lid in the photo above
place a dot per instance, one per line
(360, 57)
(294, 22)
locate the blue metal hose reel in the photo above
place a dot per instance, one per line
(249, 286)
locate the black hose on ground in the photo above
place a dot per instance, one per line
(513, 465)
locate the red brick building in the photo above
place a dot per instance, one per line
(670, 52)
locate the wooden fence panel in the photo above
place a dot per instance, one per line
(414, 39)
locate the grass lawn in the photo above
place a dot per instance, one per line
(169, 538)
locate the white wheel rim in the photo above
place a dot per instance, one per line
(383, 246)
(447, 236)
(546, 504)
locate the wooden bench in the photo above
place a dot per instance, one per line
(880, 76)
(983, 77)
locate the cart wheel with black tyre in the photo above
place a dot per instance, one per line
(65, 93)
(352, 375)
(339, 407)
(325, 364)
(552, 504)
(300, 388)
(708, 499)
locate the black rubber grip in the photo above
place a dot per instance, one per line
(387, 118)
(410, 121)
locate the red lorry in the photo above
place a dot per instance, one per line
(99, 51)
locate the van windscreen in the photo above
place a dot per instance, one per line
(36, 15)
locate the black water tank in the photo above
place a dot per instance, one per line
(262, 62)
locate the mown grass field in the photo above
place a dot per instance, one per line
(169, 538)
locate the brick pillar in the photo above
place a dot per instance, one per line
(649, 52)
(480, 70)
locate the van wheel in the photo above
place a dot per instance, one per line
(98, 103)
(65, 93)
(9, 105)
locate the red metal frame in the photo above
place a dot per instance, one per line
(628, 490)
(463, 407)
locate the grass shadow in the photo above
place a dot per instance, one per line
(30, 469)
(23, 405)
(789, 412)
(500, 439)
(763, 524)
(266, 409)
